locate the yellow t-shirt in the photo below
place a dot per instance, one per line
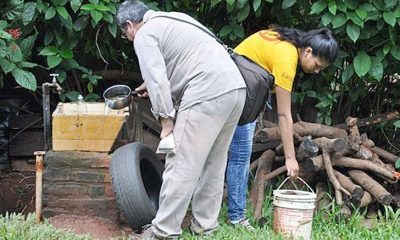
(278, 57)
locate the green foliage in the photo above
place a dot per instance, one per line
(78, 38)
(67, 37)
(16, 227)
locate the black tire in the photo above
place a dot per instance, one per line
(136, 179)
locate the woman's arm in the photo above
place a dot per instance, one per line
(283, 99)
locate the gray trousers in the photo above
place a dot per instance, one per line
(202, 136)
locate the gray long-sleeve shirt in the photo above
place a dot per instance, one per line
(181, 64)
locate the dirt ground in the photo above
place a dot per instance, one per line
(17, 194)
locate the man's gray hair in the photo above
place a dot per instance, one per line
(131, 10)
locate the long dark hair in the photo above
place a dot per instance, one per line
(321, 41)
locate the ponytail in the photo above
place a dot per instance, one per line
(321, 41)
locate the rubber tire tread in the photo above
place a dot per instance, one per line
(132, 198)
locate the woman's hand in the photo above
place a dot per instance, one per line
(141, 91)
(292, 167)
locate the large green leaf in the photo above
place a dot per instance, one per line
(4, 51)
(27, 44)
(3, 24)
(332, 6)
(361, 12)
(24, 78)
(15, 53)
(239, 31)
(214, 2)
(347, 73)
(362, 63)
(59, 2)
(288, 3)
(49, 51)
(395, 51)
(29, 12)
(339, 20)
(27, 65)
(256, 5)
(66, 53)
(353, 31)
(112, 28)
(390, 18)
(352, 4)
(53, 61)
(243, 13)
(75, 4)
(356, 19)
(96, 15)
(63, 12)
(5, 35)
(88, 7)
(318, 6)
(226, 30)
(81, 23)
(50, 13)
(102, 8)
(326, 19)
(390, 4)
(6, 65)
(376, 70)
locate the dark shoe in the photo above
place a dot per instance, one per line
(243, 223)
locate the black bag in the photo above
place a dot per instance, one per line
(259, 81)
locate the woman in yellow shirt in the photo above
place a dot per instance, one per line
(279, 51)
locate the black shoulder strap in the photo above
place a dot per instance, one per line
(197, 26)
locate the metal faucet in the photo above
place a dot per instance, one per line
(54, 83)
(46, 108)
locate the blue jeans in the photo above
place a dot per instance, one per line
(237, 171)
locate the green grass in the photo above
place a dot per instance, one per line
(19, 227)
(327, 224)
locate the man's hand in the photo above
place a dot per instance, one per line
(141, 91)
(167, 125)
(292, 167)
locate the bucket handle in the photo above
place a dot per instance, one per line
(300, 180)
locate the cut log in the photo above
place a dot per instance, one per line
(363, 165)
(332, 178)
(302, 129)
(307, 149)
(354, 136)
(366, 200)
(256, 196)
(315, 163)
(331, 145)
(356, 191)
(396, 200)
(385, 154)
(373, 187)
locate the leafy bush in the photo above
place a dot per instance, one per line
(78, 37)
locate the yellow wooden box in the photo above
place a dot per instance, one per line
(95, 131)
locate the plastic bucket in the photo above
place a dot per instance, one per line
(294, 211)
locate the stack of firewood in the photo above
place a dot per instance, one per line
(360, 172)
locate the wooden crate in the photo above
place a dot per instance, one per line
(94, 131)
